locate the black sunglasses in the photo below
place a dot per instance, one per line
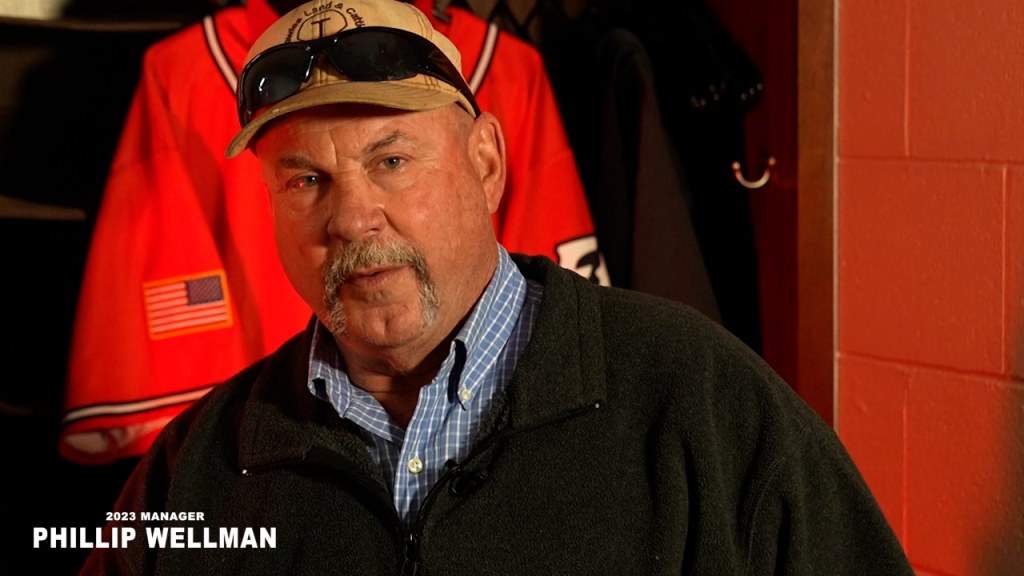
(369, 54)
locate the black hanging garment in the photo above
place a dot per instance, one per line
(640, 202)
(701, 84)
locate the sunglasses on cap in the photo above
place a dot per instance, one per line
(369, 54)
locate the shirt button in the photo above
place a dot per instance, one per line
(415, 465)
(465, 394)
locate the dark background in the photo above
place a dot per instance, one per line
(64, 92)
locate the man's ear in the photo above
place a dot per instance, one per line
(487, 152)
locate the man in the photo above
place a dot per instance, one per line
(452, 409)
(139, 355)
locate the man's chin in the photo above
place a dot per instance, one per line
(382, 328)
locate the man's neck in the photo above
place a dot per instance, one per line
(395, 377)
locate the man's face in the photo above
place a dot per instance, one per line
(383, 218)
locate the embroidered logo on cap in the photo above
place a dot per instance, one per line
(320, 21)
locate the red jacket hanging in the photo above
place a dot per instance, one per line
(182, 285)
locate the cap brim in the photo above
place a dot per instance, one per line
(410, 94)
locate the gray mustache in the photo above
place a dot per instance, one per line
(371, 254)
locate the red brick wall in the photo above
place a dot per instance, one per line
(931, 273)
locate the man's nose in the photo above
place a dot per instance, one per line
(357, 210)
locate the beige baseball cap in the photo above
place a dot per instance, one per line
(321, 18)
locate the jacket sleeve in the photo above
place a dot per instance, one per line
(134, 364)
(182, 285)
(811, 513)
(768, 486)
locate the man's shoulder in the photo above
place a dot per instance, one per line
(616, 304)
(226, 402)
(656, 335)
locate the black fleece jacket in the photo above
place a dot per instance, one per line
(636, 437)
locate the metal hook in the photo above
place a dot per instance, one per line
(755, 184)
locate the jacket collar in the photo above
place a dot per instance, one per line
(562, 368)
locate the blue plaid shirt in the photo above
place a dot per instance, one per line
(480, 362)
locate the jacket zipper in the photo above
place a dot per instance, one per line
(410, 556)
(411, 549)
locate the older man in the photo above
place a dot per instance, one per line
(452, 409)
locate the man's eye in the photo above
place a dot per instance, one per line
(305, 182)
(392, 162)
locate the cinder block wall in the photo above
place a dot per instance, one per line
(931, 273)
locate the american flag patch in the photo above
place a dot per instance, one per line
(186, 304)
